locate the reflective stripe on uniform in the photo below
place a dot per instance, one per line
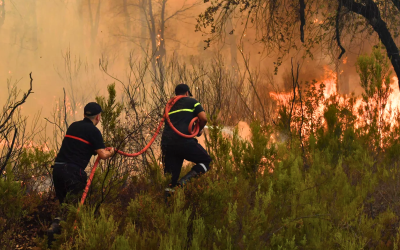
(180, 110)
(79, 139)
(204, 166)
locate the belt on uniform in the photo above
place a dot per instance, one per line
(58, 163)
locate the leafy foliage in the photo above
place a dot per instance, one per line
(316, 180)
(291, 25)
(111, 111)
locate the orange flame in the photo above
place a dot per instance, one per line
(329, 80)
(282, 98)
(389, 114)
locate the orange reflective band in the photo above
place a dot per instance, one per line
(79, 139)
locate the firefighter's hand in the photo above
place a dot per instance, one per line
(111, 151)
(105, 153)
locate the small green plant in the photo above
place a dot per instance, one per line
(11, 197)
(11, 208)
(374, 71)
(112, 131)
(218, 145)
(319, 178)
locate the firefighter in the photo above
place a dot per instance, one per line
(82, 140)
(176, 148)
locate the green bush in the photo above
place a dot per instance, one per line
(11, 197)
(319, 178)
(11, 208)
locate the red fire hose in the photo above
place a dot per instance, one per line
(168, 107)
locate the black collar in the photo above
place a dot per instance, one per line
(87, 120)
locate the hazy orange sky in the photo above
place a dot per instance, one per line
(37, 35)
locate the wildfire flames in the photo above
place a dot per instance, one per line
(330, 81)
(394, 98)
(27, 145)
(330, 90)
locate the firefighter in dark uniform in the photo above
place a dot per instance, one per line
(176, 148)
(82, 140)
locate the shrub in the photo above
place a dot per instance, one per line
(11, 197)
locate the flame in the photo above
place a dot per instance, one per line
(317, 21)
(27, 145)
(389, 114)
(329, 80)
(282, 98)
(393, 101)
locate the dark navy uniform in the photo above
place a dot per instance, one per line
(69, 174)
(176, 148)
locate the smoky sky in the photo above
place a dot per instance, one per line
(61, 42)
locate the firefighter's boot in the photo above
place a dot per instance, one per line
(55, 228)
(167, 194)
(187, 177)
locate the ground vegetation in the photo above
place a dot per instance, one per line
(321, 173)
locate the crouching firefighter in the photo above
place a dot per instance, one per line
(82, 140)
(176, 148)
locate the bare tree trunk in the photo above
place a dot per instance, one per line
(94, 24)
(232, 43)
(2, 12)
(33, 27)
(127, 17)
(161, 49)
(127, 24)
(153, 37)
(143, 30)
(371, 12)
(78, 27)
(28, 36)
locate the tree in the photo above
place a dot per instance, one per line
(94, 22)
(12, 126)
(23, 35)
(153, 16)
(313, 22)
(127, 17)
(2, 12)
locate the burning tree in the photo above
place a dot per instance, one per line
(315, 23)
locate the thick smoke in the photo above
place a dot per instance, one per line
(62, 41)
